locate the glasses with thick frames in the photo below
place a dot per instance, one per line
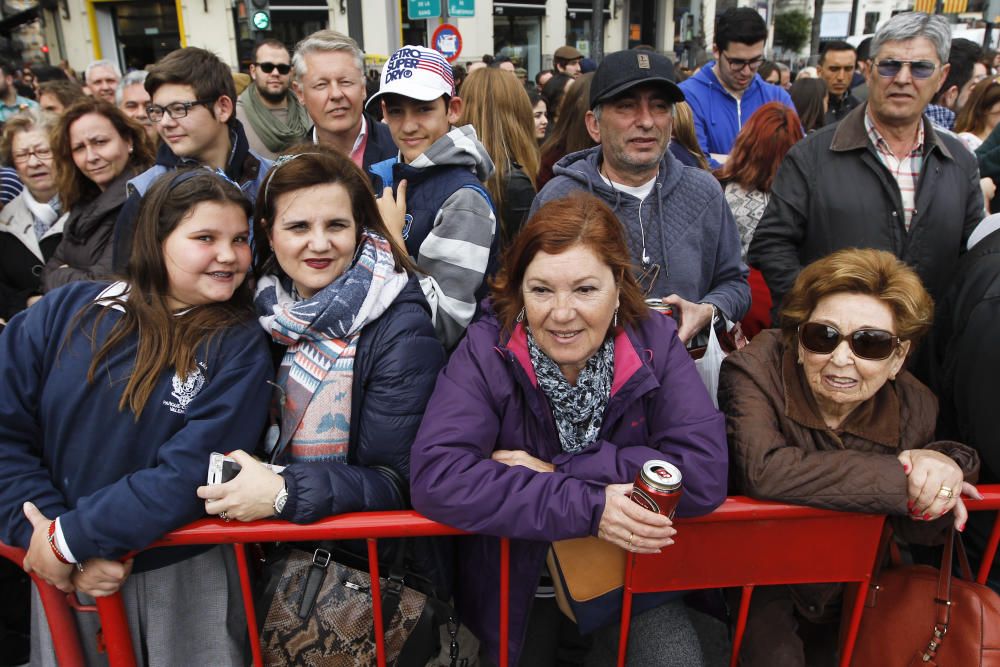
(175, 110)
(738, 64)
(919, 69)
(871, 344)
(43, 153)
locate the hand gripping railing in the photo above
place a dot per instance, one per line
(744, 543)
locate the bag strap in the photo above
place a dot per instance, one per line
(942, 601)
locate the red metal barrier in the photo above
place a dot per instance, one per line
(744, 543)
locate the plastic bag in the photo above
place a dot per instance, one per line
(710, 364)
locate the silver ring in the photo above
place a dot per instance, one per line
(224, 516)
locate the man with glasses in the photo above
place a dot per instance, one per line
(725, 92)
(329, 71)
(192, 106)
(837, 61)
(881, 178)
(679, 229)
(272, 116)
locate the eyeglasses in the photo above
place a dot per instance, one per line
(920, 69)
(871, 344)
(737, 64)
(175, 110)
(282, 68)
(43, 153)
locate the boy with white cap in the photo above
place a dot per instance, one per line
(440, 212)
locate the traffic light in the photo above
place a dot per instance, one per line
(259, 15)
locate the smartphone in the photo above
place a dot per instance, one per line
(221, 468)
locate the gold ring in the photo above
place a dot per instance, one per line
(946, 492)
(630, 536)
(224, 516)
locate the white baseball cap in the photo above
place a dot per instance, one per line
(416, 72)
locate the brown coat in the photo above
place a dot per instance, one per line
(781, 449)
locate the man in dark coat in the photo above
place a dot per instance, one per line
(882, 177)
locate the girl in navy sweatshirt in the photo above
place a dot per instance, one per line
(112, 398)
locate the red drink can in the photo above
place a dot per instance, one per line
(658, 487)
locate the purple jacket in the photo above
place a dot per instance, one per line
(487, 398)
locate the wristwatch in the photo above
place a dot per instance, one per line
(280, 500)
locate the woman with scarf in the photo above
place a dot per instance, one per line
(31, 225)
(542, 419)
(361, 357)
(97, 150)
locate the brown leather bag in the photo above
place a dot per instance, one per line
(917, 615)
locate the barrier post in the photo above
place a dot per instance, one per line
(114, 625)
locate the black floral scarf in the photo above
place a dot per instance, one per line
(578, 410)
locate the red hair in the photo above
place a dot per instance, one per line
(578, 219)
(761, 146)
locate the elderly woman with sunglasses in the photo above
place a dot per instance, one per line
(823, 413)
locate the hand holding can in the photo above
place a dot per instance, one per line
(658, 487)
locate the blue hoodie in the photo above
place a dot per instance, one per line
(718, 116)
(116, 482)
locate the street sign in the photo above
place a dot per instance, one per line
(463, 8)
(447, 40)
(423, 9)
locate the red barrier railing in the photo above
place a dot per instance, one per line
(744, 543)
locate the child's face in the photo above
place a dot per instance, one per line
(198, 135)
(415, 125)
(207, 255)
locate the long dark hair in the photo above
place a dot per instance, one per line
(807, 96)
(166, 339)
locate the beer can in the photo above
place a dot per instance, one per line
(658, 487)
(667, 309)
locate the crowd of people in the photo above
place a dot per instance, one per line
(437, 294)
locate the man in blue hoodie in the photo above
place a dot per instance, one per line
(725, 92)
(684, 244)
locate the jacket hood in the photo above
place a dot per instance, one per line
(240, 150)
(706, 77)
(88, 216)
(460, 147)
(584, 167)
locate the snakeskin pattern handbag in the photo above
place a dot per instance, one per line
(319, 612)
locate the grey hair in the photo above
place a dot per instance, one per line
(325, 41)
(911, 25)
(134, 78)
(101, 63)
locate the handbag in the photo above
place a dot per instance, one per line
(319, 612)
(588, 575)
(921, 615)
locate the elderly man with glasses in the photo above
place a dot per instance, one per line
(725, 92)
(881, 178)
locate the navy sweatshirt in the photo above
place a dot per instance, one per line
(117, 484)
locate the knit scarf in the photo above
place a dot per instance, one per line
(578, 410)
(44, 214)
(316, 376)
(275, 134)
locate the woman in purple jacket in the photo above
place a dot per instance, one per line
(543, 416)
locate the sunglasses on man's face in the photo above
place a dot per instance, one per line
(919, 69)
(871, 344)
(282, 68)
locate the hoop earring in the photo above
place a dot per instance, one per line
(520, 316)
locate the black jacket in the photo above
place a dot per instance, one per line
(380, 145)
(966, 357)
(832, 192)
(86, 247)
(20, 264)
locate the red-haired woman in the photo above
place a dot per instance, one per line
(746, 178)
(542, 419)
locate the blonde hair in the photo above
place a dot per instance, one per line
(497, 105)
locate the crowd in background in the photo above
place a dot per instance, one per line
(432, 289)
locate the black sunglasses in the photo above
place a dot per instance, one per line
(871, 344)
(283, 69)
(920, 69)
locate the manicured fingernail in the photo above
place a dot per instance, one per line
(961, 528)
(927, 517)
(906, 468)
(909, 505)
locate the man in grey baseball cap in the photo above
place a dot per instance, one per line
(684, 244)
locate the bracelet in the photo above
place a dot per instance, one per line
(55, 547)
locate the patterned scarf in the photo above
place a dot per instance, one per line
(578, 410)
(316, 375)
